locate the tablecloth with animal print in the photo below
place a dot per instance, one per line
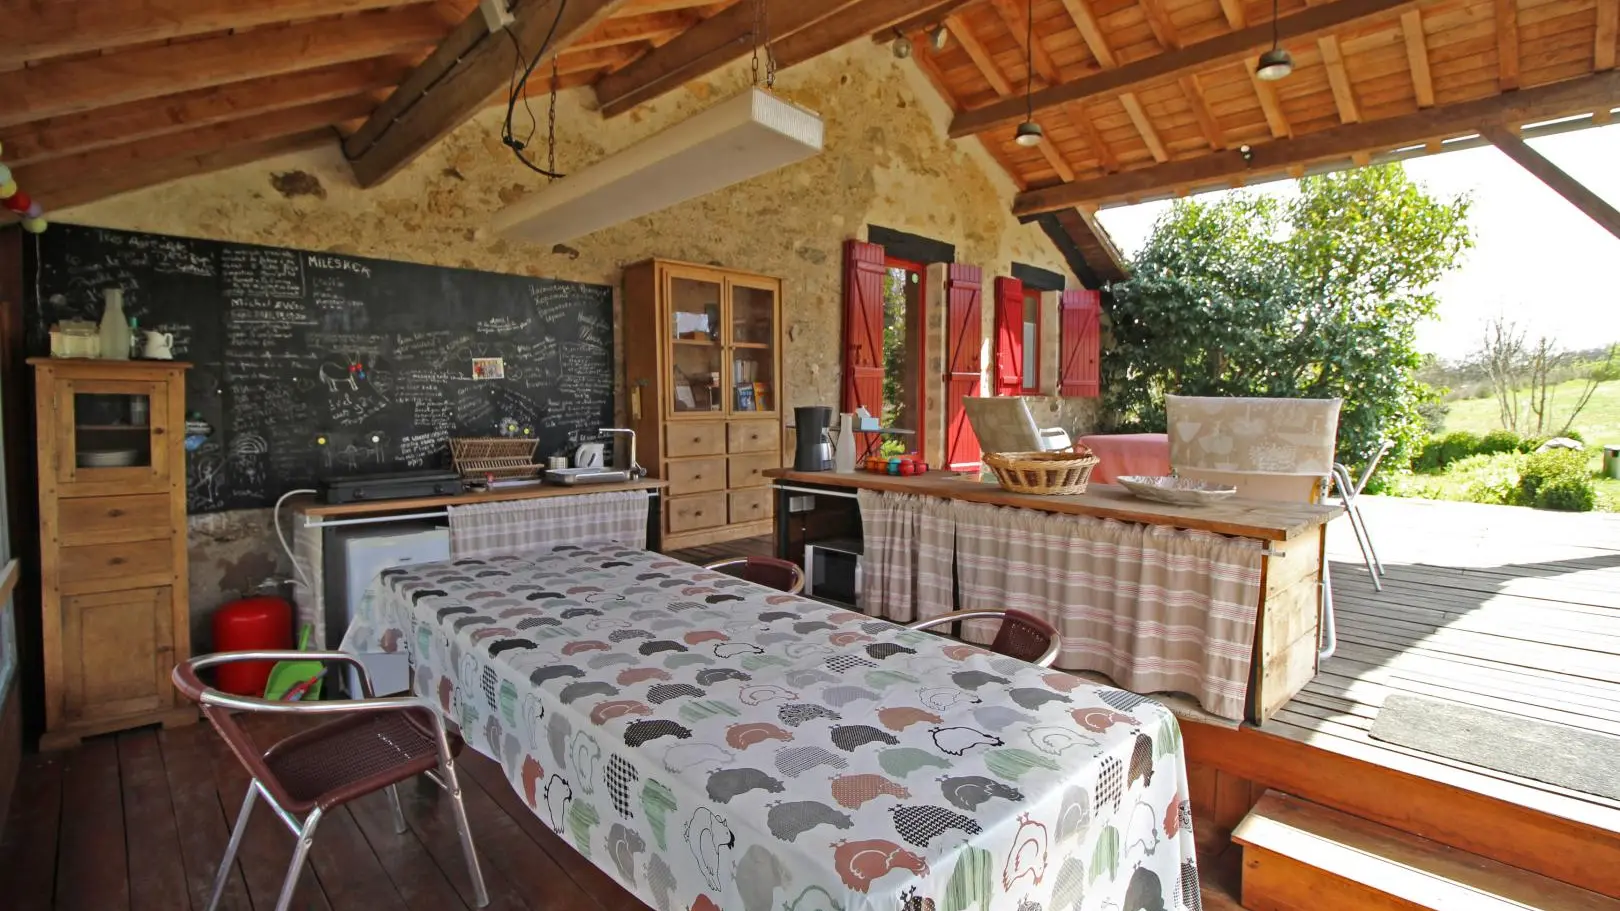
(712, 744)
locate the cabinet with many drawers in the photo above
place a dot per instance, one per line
(703, 361)
(112, 517)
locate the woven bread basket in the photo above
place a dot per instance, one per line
(1058, 473)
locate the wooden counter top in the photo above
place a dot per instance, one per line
(309, 506)
(1264, 519)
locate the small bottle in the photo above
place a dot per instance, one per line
(114, 326)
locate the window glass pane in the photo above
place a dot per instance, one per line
(1032, 349)
(112, 431)
(902, 344)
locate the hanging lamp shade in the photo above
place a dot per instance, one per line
(746, 136)
(1274, 64)
(1029, 134)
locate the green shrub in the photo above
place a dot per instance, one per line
(1556, 479)
(1492, 478)
(1439, 452)
(1501, 441)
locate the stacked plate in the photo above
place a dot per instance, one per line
(1174, 490)
(108, 458)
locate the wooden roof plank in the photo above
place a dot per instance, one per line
(53, 28)
(1233, 11)
(1267, 94)
(1344, 96)
(154, 117)
(1571, 96)
(1234, 45)
(1573, 191)
(71, 86)
(1507, 43)
(1417, 56)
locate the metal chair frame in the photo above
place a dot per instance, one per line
(304, 830)
(798, 574)
(1054, 643)
(1349, 491)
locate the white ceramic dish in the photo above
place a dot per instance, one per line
(108, 458)
(1174, 490)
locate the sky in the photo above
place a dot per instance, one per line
(1536, 258)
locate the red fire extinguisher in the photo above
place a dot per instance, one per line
(251, 624)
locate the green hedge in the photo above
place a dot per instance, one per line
(1441, 451)
(1557, 479)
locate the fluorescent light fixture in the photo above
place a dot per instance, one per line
(743, 137)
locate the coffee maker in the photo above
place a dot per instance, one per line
(814, 452)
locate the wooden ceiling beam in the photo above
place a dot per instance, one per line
(1085, 21)
(998, 82)
(1144, 126)
(919, 21)
(655, 27)
(706, 47)
(1232, 46)
(1270, 105)
(43, 29)
(1344, 95)
(1233, 11)
(1417, 57)
(108, 184)
(1529, 105)
(1194, 90)
(1106, 159)
(1594, 206)
(1164, 31)
(71, 86)
(132, 165)
(837, 31)
(1507, 44)
(1608, 34)
(457, 79)
(125, 123)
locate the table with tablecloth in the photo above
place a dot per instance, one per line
(712, 744)
(1121, 454)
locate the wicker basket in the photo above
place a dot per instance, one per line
(1052, 473)
(496, 458)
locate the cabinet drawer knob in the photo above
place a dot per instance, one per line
(114, 513)
(116, 561)
(698, 512)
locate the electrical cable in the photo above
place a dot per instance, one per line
(299, 576)
(519, 89)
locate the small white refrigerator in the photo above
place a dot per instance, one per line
(366, 553)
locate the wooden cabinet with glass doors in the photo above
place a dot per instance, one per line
(703, 355)
(112, 528)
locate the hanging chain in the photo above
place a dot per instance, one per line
(551, 124)
(762, 38)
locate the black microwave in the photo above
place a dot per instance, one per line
(833, 573)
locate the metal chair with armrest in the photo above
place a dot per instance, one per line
(371, 745)
(771, 572)
(1022, 636)
(1349, 492)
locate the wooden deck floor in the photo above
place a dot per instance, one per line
(1507, 609)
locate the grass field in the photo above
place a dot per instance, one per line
(1598, 424)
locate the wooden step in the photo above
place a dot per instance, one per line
(1301, 856)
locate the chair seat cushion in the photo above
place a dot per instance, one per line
(352, 756)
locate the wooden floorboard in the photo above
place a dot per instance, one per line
(28, 846)
(157, 873)
(1513, 610)
(91, 867)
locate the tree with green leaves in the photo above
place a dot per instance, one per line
(1314, 296)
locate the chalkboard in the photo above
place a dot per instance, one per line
(313, 364)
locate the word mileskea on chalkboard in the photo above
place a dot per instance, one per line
(313, 364)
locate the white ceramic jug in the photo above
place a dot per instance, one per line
(159, 346)
(844, 452)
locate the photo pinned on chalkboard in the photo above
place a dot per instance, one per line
(489, 368)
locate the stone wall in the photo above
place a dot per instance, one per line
(886, 162)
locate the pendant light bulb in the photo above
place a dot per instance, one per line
(939, 37)
(1274, 64)
(901, 48)
(1029, 133)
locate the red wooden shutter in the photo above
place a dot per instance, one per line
(1009, 378)
(1080, 319)
(863, 328)
(963, 335)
